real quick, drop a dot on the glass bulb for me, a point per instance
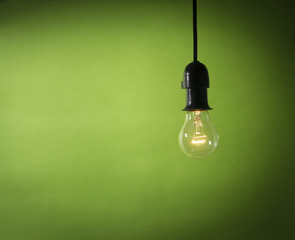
(198, 137)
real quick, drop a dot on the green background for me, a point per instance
(90, 110)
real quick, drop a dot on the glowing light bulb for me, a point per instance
(198, 137)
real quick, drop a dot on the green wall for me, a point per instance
(90, 110)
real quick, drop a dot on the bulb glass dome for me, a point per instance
(198, 137)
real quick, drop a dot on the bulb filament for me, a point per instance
(199, 137)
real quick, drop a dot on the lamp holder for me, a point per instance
(196, 83)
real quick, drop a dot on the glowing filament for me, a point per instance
(199, 139)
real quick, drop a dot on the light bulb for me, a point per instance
(198, 137)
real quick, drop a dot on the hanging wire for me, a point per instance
(195, 29)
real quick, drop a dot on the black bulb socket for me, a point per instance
(196, 83)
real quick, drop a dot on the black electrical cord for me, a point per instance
(195, 28)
